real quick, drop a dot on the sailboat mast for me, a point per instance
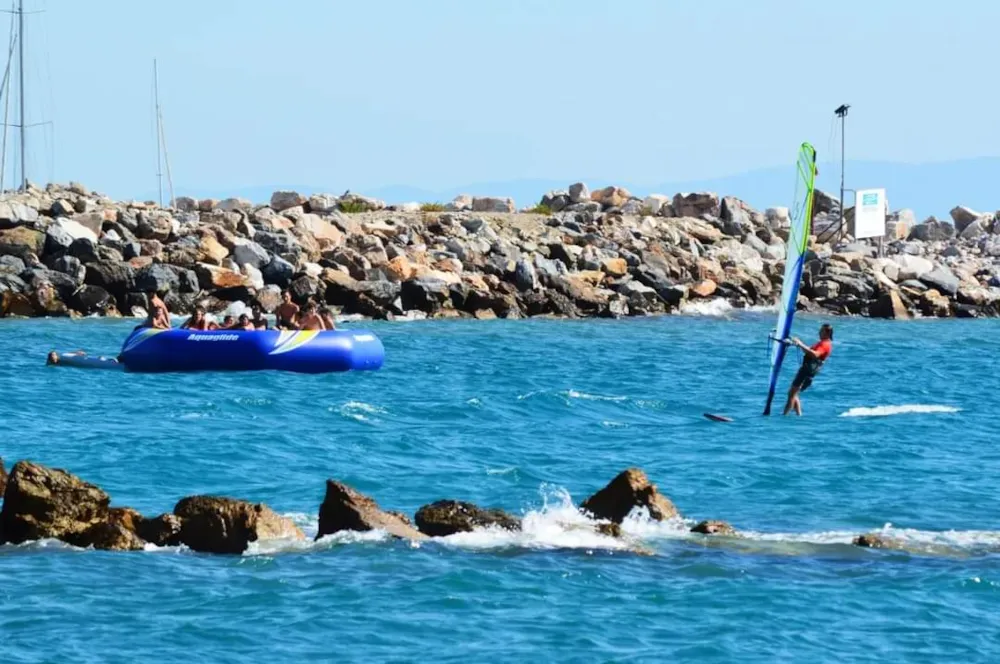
(159, 160)
(20, 60)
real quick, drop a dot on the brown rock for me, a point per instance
(3, 479)
(616, 267)
(213, 276)
(610, 529)
(213, 524)
(211, 250)
(344, 508)
(611, 196)
(704, 288)
(933, 303)
(712, 527)
(399, 268)
(41, 502)
(447, 517)
(21, 242)
(163, 530)
(17, 304)
(108, 536)
(890, 305)
(485, 314)
(630, 489)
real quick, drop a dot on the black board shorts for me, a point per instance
(804, 378)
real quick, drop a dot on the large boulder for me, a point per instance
(344, 508)
(115, 533)
(736, 218)
(116, 278)
(41, 502)
(578, 193)
(248, 252)
(278, 272)
(824, 203)
(163, 530)
(963, 216)
(22, 242)
(489, 204)
(696, 204)
(627, 491)
(447, 517)
(425, 294)
(889, 305)
(213, 524)
(284, 200)
(912, 267)
(941, 278)
(215, 277)
(158, 277)
(611, 197)
(91, 300)
(13, 213)
(73, 228)
(932, 230)
(157, 227)
(86, 250)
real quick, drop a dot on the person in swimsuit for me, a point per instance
(286, 314)
(197, 321)
(310, 320)
(227, 323)
(258, 319)
(812, 361)
(327, 317)
(244, 323)
(158, 316)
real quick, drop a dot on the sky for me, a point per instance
(439, 93)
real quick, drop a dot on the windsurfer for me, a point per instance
(812, 361)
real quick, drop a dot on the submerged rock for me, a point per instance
(214, 524)
(41, 502)
(628, 490)
(344, 508)
(447, 517)
(713, 527)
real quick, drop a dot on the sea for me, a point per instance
(898, 437)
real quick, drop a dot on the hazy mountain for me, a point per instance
(931, 188)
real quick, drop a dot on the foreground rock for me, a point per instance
(447, 517)
(3, 479)
(41, 502)
(213, 524)
(629, 490)
(343, 508)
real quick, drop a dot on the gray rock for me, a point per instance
(247, 252)
(233, 204)
(85, 249)
(975, 228)
(824, 203)
(11, 265)
(157, 276)
(963, 216)
(57, 239)
(913, 284)
(91, 300)
(579, 193)
(490, 204)
(524, 276)
(70, 266)
(735, 215)
(284, 200)
(696, 204)
(912, 267)
(942, 279)
(278, 272)
(654, 203)
(13, 212)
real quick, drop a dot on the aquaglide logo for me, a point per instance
(212, 337)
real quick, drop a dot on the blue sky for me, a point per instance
(440, 93)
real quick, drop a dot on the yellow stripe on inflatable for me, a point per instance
(295, 340)
(146, 333)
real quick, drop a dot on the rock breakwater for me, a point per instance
(65, 251)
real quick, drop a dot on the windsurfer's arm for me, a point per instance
(806, 349)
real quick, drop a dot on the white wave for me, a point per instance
(573, 394)
(501, 471)
(474, 401)
(885, 411)
(270, 547)
(717, 307)
(360, 411)
(611, 424)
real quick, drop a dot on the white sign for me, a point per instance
(869, 213)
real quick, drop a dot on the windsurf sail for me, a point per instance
(795, 252)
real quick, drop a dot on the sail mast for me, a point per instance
(159, 159)
(20, 61)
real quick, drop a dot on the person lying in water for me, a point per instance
(812, 361)
(197, 321)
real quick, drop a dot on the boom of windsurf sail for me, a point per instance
(798, 240)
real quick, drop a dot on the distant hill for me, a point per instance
(931, 188)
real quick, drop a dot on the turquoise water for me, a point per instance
(530, 416)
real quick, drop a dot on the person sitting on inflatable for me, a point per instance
(309, 319)
(197, 321)
(327, 317)
(158, 316)
(287, 313)
(244, 323)
(258, 320)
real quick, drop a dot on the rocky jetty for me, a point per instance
(66, 251)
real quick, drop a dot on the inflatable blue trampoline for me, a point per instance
(306, 351)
